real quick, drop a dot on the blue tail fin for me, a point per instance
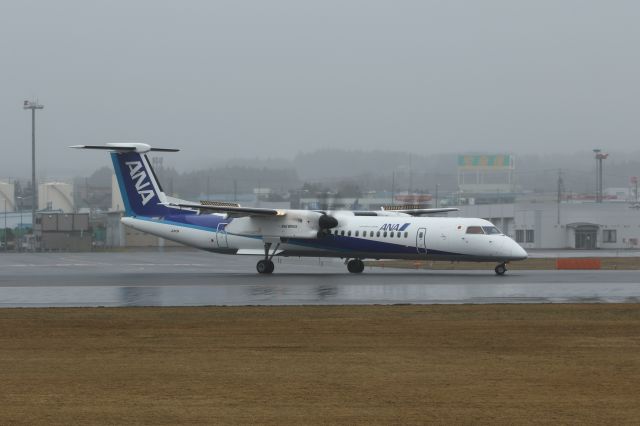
(139, 187)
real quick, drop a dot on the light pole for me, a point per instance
(33, 106)
(5, 225)
(599, 186)
(21, 226)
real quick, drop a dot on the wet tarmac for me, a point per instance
(185, 278)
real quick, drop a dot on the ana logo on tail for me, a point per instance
(139, 177)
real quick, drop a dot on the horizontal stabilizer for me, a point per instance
(126, 147)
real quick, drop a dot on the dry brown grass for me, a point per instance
(464, 364)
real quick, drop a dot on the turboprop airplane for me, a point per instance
(397, 233)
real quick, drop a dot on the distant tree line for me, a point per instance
(352, 173)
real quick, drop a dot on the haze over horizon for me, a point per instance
(224, 80)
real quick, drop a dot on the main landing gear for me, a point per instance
(501, 269)
(355, 266)
(266, 266)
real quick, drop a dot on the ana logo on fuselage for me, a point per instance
(394, 227)
(139, 177)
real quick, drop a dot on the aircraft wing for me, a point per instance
(420, 212)
(234, 210)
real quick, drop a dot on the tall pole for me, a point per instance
(599, 181)
(393, 187)
(235, 190)
(5, 225)
(560, 191)
(33, 106)
(410, 176)
(21, 227)
(34, 186)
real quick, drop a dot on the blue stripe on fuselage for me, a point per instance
(345, 244)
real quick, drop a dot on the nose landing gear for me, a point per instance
(501, 269)
(355, 266)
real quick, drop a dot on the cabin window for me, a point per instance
(378, 234)
(357, 233)
(348, 233)
(384, 234)
(475, 230)
(391, 234)
(406, 234)
(399, 234)
(420, 235)
(371, 234)
(491, 230)
(342, 233)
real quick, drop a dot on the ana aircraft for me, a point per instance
(229, 228)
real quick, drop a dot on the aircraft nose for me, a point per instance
(517, 252)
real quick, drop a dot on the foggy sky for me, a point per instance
(222, 79)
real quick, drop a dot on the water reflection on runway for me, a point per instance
(313, 294)
(200, 279)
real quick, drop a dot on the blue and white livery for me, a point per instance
(352, 235)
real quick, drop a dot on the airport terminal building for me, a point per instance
(549, 225)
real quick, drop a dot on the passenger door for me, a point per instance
(221, 235)
(421, 241)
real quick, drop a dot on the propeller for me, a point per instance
(325, 223)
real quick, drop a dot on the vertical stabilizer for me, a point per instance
(139, 186)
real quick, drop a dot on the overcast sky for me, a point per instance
(224, 79)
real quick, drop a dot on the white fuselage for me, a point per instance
(362, 237)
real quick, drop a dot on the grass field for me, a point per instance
(462, 364)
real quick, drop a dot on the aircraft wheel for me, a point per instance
(265, 266)
(355, 266)
(501, 269)
(271, 266)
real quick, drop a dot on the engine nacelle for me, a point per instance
(304, 224)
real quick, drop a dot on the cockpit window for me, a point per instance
(475, 230)
(491, 230)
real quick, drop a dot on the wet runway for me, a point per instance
(185, 278)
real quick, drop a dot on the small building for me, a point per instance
(63, 232)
